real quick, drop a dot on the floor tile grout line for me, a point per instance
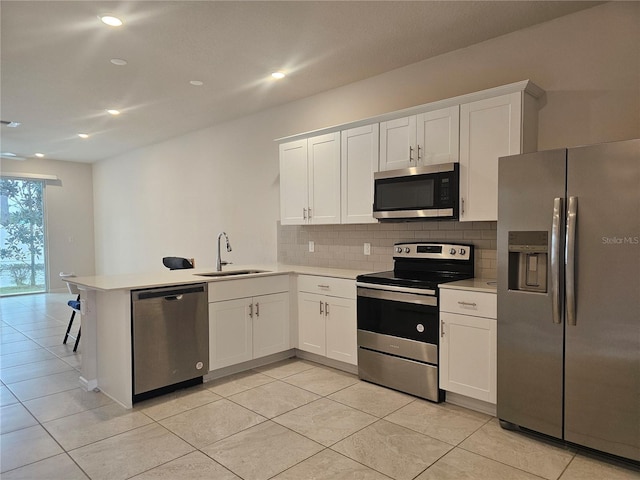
(506, 464)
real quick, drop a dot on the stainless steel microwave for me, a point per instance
(417, 193)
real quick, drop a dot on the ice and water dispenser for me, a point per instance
(528, 253)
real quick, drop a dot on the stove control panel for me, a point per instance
(436, 251)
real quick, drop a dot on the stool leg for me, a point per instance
(66, 335)
(75, 347)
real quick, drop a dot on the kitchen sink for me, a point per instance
(230, 273)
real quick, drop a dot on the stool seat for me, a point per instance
(75, 304)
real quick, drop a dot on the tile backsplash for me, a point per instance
(342, 246)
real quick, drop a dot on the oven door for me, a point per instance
(398, 323)
(398, 340)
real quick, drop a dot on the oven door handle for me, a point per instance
(394, 288)
(396, 296)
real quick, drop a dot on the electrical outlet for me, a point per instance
(312, 246)
(367, 249)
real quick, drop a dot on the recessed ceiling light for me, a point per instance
(39, 155)
(111, 20)
(83, 135)
(114, 112)
(278, 75)
(118, 61)
(196, 83)
(11, 156)
(10, 124)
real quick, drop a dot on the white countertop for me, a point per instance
(165, 277)
(487, 285)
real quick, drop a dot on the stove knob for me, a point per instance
(399, 249)
(462, 251)
(452, 251)
(407, 250)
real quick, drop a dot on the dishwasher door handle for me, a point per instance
(166, 292)
(173, 298)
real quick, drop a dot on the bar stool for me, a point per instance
(75, 307)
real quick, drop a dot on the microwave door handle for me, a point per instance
(572, 217)
(555, 260)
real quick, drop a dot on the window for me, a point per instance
(22, 236)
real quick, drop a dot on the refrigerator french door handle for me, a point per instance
(572, 217)
(555, 260)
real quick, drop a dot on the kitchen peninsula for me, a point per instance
(107, 360)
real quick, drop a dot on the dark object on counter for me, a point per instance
(176, 263)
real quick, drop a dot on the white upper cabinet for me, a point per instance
(294, 197)
(397, 143)
(438, 136)
(310, 180)
(359, 163)
(424, 139)
(324, 179)
(489, 129)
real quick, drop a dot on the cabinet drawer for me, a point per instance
(336, 287)
(478, 304)
(247, 287)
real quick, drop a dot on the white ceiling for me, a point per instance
(57, 79)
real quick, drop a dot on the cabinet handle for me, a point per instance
(321, 310)
(309, 213)
(323, 286)
(462, 201)
(410, 154)
(257, 309)
(419, 153)
(326, 308)
(251, 311)
(304, 213)
(467, 304)
(441, 328)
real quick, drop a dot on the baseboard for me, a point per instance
(244, 366)
(276, 357)
(328, 362)
(471, 403)
(88, 385)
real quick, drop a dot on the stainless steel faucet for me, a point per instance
(219, 262)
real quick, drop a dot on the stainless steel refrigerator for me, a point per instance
(569, 295)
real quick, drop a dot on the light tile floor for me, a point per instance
(287, 421)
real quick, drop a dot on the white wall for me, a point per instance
(69, 215)
(173, 198)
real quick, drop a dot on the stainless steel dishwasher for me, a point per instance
(170, 338)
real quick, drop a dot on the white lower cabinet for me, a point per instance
(241, 329)
(327, 317)
(468, 343)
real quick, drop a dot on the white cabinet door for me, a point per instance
(468, 356)
(438, 136)
(341, 329)
(397, 143)
(359, 159)
(270, 324)
(324, 178)
(294, 198)
(489, 129)
(230, 338)
(311, 323)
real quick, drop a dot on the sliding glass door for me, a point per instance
(22, 237)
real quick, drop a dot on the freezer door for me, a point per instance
(602, 371)
(530, 336)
